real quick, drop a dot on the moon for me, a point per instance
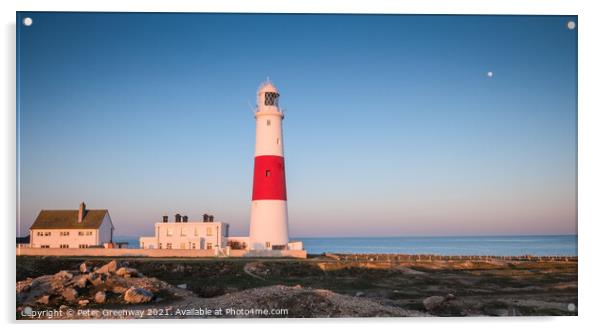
(490, 74)
(27, 21)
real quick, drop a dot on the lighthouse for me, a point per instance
(269, 212)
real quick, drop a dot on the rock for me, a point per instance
(127, 272)
(69, 294)
(96, 279)
(84, 268)
(44, 299)
(433, 302)
(360, 294)
(100, 297)
(63, 275)
(117, 284)
(24, 285)
(110, 267)
(137, 295)
(450, 297)
(81, 281)
(83, 303)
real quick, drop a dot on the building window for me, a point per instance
(64, 246)
(83, 246)
(277, 140)
(44, 246)
(183, 232)
(169, 232)
(80, 233)
(40, 233)
(271, 98)
(160, 245)
(268, 122)
(169, 246)
(209, 245)
(209, 231)
(64, 233)
(47, 233)
(196, 232)
(193, 245)
(268, 245)
(267, 173)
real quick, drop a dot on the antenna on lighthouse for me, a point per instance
(253, 108)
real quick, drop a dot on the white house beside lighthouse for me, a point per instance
(269, 213)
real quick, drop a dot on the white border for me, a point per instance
(590, 165)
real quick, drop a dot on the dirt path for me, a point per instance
(249, 268)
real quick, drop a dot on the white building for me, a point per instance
(182, 234)
(71, 228)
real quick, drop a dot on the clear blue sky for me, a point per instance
(392, 125)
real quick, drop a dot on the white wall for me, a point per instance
(73, 239)
(149, 242)
(106, 230)
(189, 235)
(269, 223)
(268, 138)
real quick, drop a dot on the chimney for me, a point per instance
(205, 217)
(81, 213)
(185, 219)
(165, 219)
(178, 218)
(211, 218)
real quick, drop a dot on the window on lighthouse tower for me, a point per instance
(271, 98)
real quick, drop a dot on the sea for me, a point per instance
(535, 245)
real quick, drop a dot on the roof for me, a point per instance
(67, 219)
(267, 86)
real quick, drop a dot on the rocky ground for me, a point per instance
(317, 287)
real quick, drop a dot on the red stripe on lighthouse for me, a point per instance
(268, 178)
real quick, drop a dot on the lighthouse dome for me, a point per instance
(267, 86)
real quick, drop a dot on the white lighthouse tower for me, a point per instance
(269, 213)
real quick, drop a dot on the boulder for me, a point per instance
(84, 268)
(24, 285)
(110, 267)
(69, 294)
(127, 272)
(433, 302)
(44, 299)
(137, 295)
(100, 297)
(117, 284)
(81, 281)
(63, 275)
(96, 279)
